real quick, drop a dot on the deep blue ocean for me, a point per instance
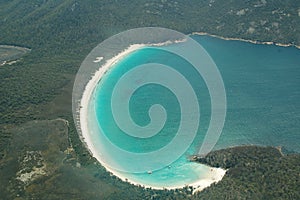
(262, 84)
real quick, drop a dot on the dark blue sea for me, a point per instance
(262, 84)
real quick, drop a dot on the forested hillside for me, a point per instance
(35, 92)
(61, 33)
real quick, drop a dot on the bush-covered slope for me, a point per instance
(254, 173)
(60, 33)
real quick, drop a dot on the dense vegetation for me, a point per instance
(60, 33)
(254, 173)
(11, 53)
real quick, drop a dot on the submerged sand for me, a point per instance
(214, 174)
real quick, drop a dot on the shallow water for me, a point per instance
(262, 87)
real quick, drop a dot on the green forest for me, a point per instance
(36, 93)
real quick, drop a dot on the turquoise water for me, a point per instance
(262, 87)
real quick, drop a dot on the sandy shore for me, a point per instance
(83, 112)
(215, 174)
(245, 40)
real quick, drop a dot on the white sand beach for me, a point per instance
(215, 174)
(88, 93)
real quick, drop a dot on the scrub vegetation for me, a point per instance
(35, 95)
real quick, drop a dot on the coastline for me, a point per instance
(215, 174)
(87, 93)
(246, 40)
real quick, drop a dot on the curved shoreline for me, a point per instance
(215, 174)
(87, 93)
(246, 40)
(198, 185)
